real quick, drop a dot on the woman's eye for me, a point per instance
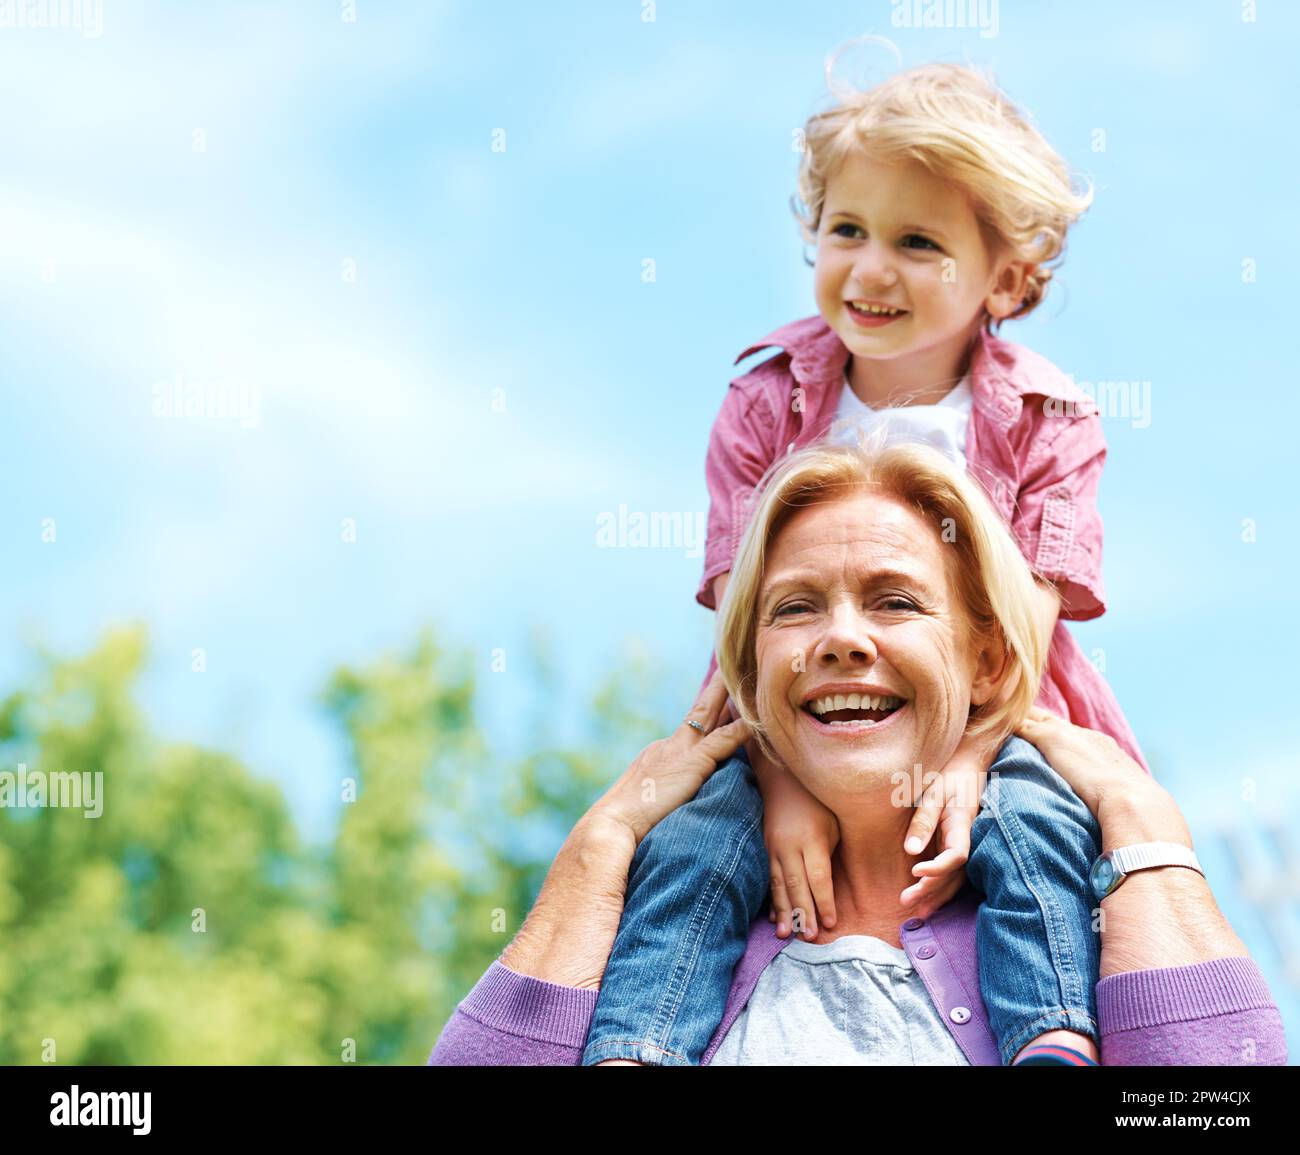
(921, 239)
(802, 607)
(900, 603)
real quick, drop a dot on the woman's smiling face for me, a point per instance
(856, 593)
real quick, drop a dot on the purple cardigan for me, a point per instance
(1216, 1013)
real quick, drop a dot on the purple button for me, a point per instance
(914, 924)
(926, 951)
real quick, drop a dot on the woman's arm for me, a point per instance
(533, 1006)
(1166, 915)
(569, 933)
(1177, 985)
(534, 1003)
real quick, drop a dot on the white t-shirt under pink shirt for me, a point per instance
(942, 425)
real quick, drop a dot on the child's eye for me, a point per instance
(837, 231)
(918, 237)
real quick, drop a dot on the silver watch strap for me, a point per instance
(1145, 854)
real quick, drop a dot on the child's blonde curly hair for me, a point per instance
(957, 123)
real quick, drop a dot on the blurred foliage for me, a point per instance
(188, 923)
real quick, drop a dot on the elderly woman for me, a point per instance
(839, 541)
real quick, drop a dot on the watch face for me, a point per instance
(1103, 874)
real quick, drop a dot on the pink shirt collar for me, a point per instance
(1001, 374)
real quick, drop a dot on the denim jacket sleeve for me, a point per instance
(1056, 520)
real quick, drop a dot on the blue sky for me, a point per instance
(271, 198)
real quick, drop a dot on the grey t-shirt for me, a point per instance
(855, 1001)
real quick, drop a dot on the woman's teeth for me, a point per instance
(820, 706)
(852, 709)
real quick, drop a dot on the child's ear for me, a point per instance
(1009, 288)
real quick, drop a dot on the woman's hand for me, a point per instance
(567, 936)
(948, 806)
(1107, 780)
(671, 771)
(800, 834)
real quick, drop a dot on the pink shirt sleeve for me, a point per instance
(739, 455)
(1056, 520)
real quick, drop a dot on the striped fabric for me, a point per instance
(1053, 1055)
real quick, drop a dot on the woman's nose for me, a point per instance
(846, 641)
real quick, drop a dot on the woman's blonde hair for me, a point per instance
(990, 576)
(956, 122)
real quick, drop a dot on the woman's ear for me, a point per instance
(990, 671)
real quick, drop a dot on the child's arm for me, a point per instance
(1055, 520)
(1048, 605)
(739, 455)
(800, 834)
(949, 804)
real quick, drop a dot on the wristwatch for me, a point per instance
(1116, 865)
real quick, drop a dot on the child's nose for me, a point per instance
(874, 265)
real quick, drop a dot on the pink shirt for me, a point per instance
(1034, 443)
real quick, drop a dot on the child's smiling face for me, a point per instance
(894, 234)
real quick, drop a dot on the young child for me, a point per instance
(935, 207)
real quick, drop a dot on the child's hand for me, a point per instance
(800, 834)
(949, 804)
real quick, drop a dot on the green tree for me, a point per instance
(189, 924)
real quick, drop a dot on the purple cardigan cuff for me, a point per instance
(503, 999)
(1134, 1000)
